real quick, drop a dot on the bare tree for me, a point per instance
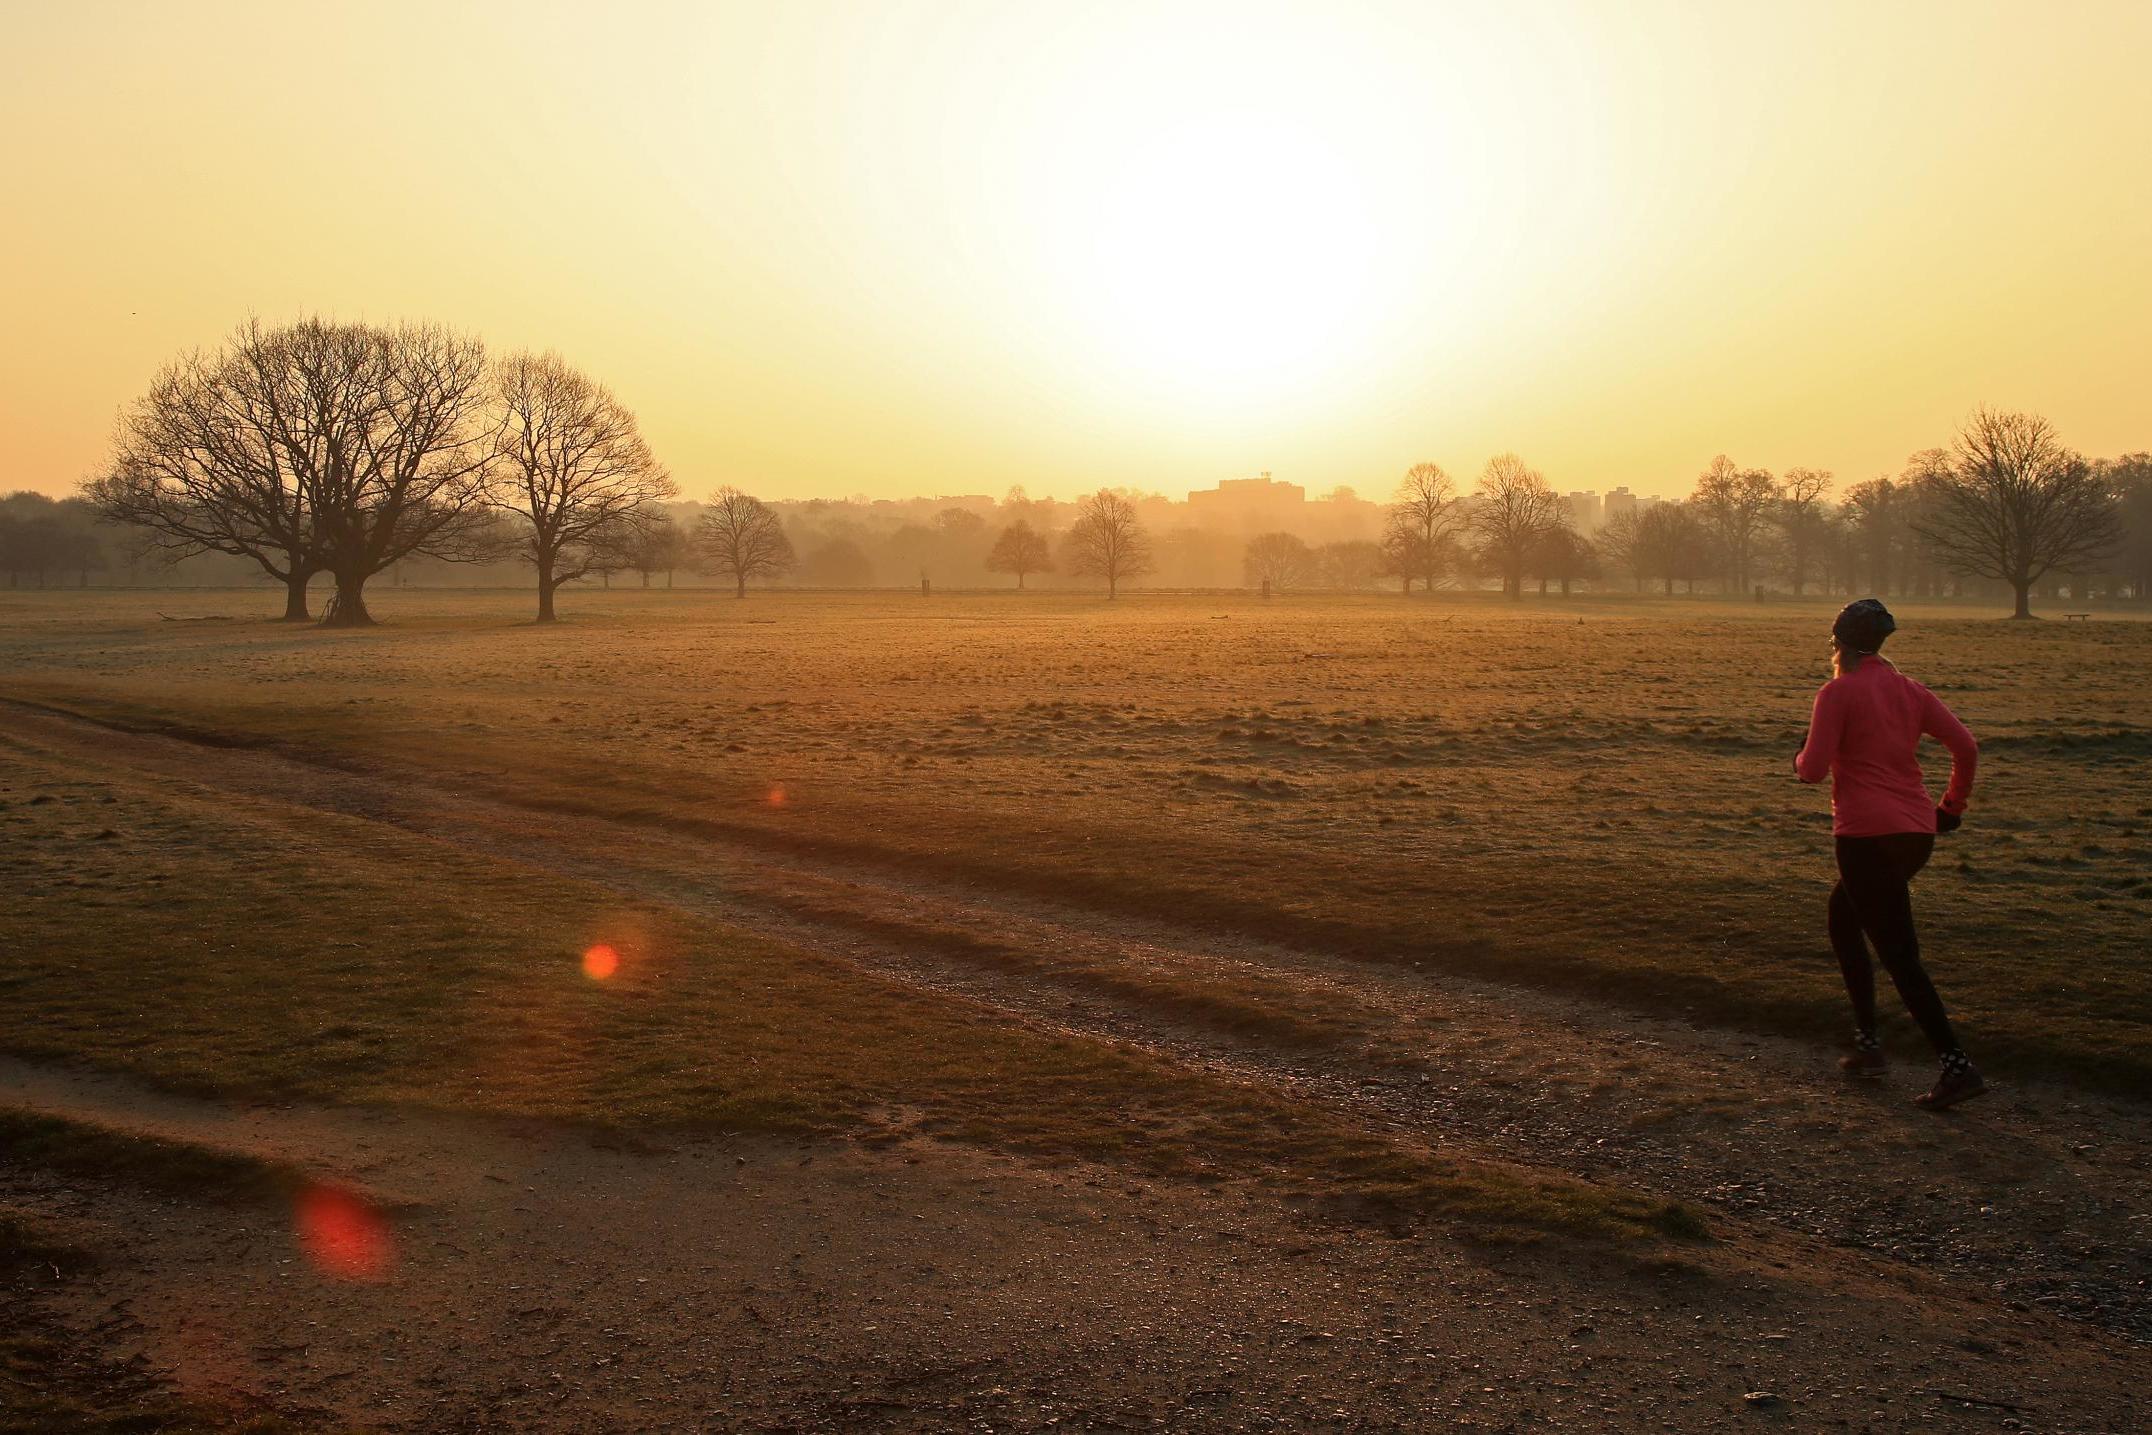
(1515, 510)
(1667, 544)
(1020, 549)
(1734, 505)
(652, 542)
(316, 447)
(1801, 520)
(742, 538)
(2011, 503)
(1873, 515)
(402, 419)
(1350, 565)
(2130, 477)
(1280, 560)
(572, 464)
(1563, 555)
(1422, 525)
(1107, 541)
(220, 457)
(1616, 542)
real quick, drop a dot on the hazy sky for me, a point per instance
(942, 248)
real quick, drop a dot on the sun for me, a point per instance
(1236, 253)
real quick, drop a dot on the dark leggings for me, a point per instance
(1873, 898)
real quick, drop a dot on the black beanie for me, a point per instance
(1863, 624)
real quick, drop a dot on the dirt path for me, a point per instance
(832, 1286)
(548, 1283)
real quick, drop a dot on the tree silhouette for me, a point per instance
(1020, 549)
(2011, 503)
(1733, 505)
(1108, 542)
(1422, 524)
(1801, 520)
(207, 462)
(572, 464)
(742, 538)
(1515, 509)
(1280, 560)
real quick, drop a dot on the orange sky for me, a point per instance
(894, 248)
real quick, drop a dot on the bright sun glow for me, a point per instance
(922, 247)
(1236, 252)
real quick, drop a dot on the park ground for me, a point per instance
(1016, 1011)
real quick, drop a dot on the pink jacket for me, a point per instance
(1865, 733)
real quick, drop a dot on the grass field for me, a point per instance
(1593, 795)
(911, 1000)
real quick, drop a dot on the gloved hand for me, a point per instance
(1948, 821)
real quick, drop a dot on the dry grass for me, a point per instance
(1593, 795)
(245, 948)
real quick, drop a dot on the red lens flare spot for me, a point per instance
(342, 1235)
(777, 794)
(601, 962)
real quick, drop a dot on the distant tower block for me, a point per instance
(1250, 504)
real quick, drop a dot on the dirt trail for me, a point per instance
(551, 1283)
(774, 1285)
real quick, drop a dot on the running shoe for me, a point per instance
(1960, 1081)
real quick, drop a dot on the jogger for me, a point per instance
(1865, 735)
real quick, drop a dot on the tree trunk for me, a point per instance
(295, 597)
(1019, 580)
(646, 577)
(741, 580)
(348, 608)
(2024, 600)
(1669, 587)
(546, 585)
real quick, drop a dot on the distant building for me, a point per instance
(1260, 503)
(1583, 509)
(1621, 501)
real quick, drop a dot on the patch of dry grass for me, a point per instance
(232, 946)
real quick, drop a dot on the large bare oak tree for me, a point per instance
(223, 455)
(2010, 502)
(414, 427)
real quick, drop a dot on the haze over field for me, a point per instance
(916, 248)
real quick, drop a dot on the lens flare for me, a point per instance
(777, 794)
(601, 962)
(342, 1235)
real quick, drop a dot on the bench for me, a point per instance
(2075, 617)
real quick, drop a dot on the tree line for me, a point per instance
(323, 448)
(2006, 503)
